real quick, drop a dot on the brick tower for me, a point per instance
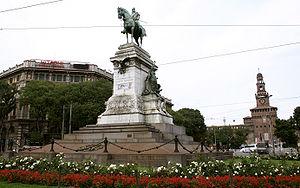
(263, 116)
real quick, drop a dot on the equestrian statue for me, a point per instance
(132, 25)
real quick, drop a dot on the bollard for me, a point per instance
(105, 145)
(202, 147)
(52, 144)
(176, 145)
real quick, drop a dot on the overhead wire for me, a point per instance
(230, 104)
(57, 27)
(148, 25)
(230, 53)
(29, 6)
(223, 25)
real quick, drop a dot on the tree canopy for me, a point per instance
(7, 99)
(46, 100)
(296, 117)
(286, 131)
(192, 120)
(227, 137)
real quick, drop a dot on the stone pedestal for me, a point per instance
(140, 115)
(155, 109)
(128, 105)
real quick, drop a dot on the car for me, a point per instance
(262, 148)
(245, 150)
(249, 148)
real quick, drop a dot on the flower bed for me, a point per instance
(83, 180)
(244, 172)
(254, 166)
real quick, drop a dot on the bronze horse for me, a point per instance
(131, 26)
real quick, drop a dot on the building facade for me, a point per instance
(263, 116)
(18, 121)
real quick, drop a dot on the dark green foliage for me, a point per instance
(7, 99)
(46, 100)
(286, 131)
(227, 137)
(39, 95)
(192, 120)
(296, 117)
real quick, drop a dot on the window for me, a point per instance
(36, 76)
(76, 79)
(71, 79)
(53, 78)
(59, 78)
(41, 76)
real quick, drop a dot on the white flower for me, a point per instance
(160, 168)
(112, 166)
(178, 164)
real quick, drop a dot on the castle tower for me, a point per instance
(262, 97)
(263, 116)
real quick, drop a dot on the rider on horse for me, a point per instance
(131, 24)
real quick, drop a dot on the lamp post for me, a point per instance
(63, 123)
(271, 133)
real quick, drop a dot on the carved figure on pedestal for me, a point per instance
(151, 85)
(122, 65)
(132, 25)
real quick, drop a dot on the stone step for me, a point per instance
(139, 136)
(142, 129)
(111, 127)
(116, 129)
(93, 141)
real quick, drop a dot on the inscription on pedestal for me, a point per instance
(123, 82)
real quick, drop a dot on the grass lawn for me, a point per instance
(19, 185)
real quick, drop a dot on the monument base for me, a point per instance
(133, 132)
(152, 158)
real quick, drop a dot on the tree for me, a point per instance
(227, 137)
(7, 99)
(296, 117)
(192, 120)
(46, 100)
(38, 95)
(285, 130)
(239, 138)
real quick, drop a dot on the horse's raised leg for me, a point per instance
(141, 40)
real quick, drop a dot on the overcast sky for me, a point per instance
(207, 84)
